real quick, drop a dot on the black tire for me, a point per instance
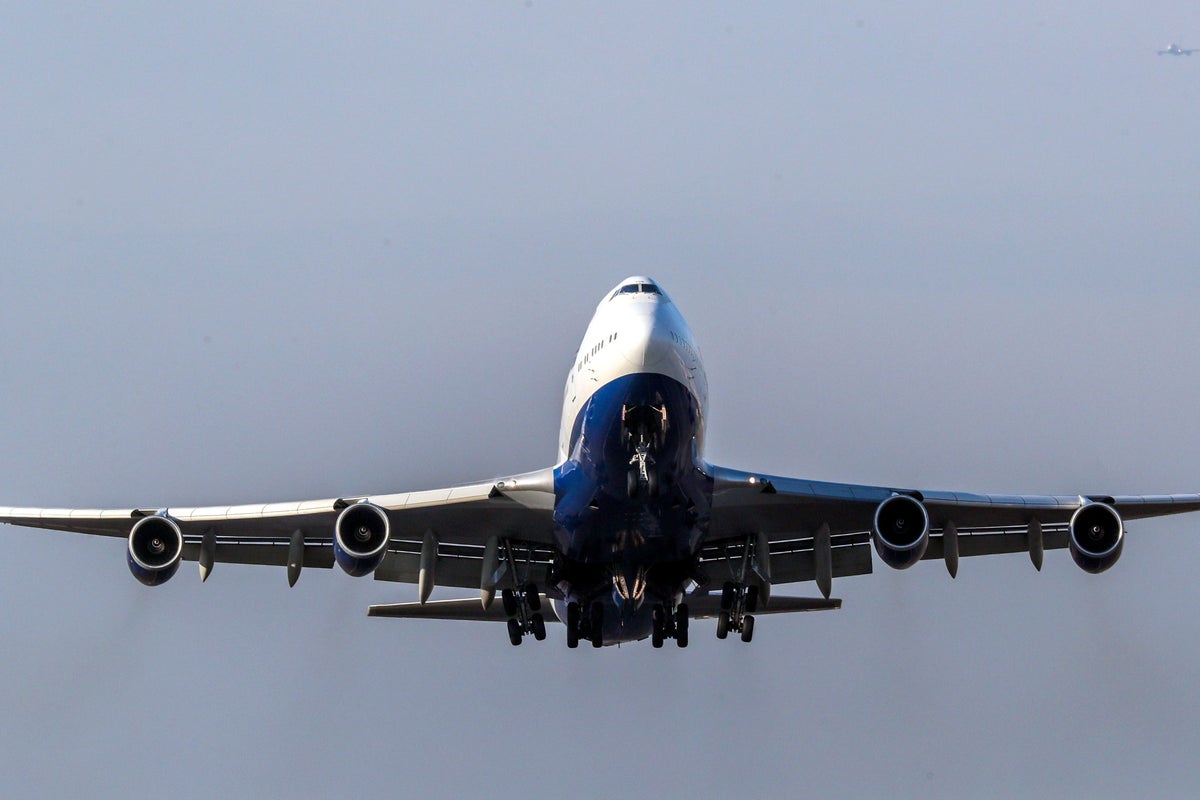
(747, 628)
(728, 595)
(632, 483)
(652, 484)
(509, 598)
(596, 628)
(722, 624)
(514, 632)
(681, 637)
(538, 623)
(532, 598)
(751, 599)
(681, 619)
(573, 616)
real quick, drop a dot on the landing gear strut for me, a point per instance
(645, 432)
(670, 625)
(523, 607)
(641, 479)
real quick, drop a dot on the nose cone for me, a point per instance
(645, 338)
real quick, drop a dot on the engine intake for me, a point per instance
(360, 538)
(901, 531)
(1097, 536)
(155, 549)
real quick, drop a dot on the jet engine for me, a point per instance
(155, 548)
(360, 538)
(1097, 536)
(901, 531)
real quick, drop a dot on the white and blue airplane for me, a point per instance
(632, 533)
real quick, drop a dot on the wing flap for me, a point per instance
(988, 544)
(461, 571)
(275, 554)
(792, 561)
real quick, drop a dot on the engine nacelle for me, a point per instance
(901, 531)
(1097, 536)
(155, 549)
(360, 538)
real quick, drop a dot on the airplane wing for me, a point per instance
(794, 516)
(518, 509)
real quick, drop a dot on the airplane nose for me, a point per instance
(645, 340)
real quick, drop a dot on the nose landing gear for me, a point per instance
(641, 479)
(645, 430)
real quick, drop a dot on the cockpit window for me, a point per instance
(638, 288)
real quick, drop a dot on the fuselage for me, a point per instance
(632, 499)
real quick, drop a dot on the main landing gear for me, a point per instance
(738, 604)
(589, 626)
(523, 607)
(670, 625)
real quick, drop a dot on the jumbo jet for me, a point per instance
(1175, 50)
(632, 533)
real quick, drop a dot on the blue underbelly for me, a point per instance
(602, 514)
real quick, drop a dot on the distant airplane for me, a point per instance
(632, 534)
(1175, 50)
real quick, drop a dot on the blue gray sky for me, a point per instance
(279, 251)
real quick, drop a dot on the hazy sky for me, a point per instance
(291, 251)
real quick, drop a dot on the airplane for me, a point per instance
(1175, 50)
(632, 533)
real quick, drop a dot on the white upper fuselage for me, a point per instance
(636, 329)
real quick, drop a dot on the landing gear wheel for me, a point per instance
(681, 625)
(728, 595)
(597, 625)
(652, 484)
(751, 599)
(573, 620)
(532, 598)
(722, 624)
(656, 632)
(514, 632)
(509, 598)
(632, 483)
(747, 628)
(538, 623)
